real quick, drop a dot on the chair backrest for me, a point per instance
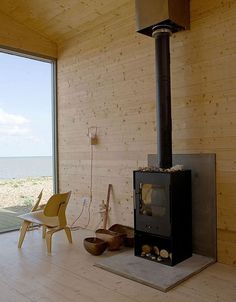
(56, 206)
(35, 207)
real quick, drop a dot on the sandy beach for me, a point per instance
(24, 191)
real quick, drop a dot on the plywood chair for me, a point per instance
(52, 217)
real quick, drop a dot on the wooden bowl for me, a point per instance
(95, 246)
(113, 239)
(127, 231)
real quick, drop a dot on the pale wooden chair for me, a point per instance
(51, 217)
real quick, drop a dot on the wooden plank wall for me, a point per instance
(17, 36)
(106, 79)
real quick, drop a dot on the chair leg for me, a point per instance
(51, 232)
(23, 230)
(49, 242)
(68, 234)
(49, 238)
(44, 231)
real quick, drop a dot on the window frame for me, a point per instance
(53, 62)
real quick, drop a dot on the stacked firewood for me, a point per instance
(154, 253)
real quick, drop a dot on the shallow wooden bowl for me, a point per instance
(95, 246)
(125, 230)
(113, 239)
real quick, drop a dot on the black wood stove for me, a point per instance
(162, 196)
(162, 215)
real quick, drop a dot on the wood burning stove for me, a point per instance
(162, 215)
(162, 198)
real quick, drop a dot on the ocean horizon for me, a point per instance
(25, 166)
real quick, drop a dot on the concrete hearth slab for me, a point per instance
(153, 274)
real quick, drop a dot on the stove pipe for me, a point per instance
(163, 95)
(159, 19)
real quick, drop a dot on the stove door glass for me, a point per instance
(154, 200)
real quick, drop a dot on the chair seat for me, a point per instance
(38, 217)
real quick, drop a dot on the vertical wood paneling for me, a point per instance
(106, 79)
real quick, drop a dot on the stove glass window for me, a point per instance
(153, 200)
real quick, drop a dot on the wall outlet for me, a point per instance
(85, 200)
(93, 139)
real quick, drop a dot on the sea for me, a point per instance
(23, 167)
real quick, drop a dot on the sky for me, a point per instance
(25, 107)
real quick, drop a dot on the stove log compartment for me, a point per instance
(163, 216)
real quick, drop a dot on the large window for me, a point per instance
(27, 135)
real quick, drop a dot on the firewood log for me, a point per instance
(164, 253)
(146, 248)
(156, 250)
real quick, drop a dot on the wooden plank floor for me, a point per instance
(68, 275)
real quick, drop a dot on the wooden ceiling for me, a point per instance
(59, 20)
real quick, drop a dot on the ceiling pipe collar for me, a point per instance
(157, 30)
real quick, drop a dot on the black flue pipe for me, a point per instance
(163, 97)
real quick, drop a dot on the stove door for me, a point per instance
(152, 200)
